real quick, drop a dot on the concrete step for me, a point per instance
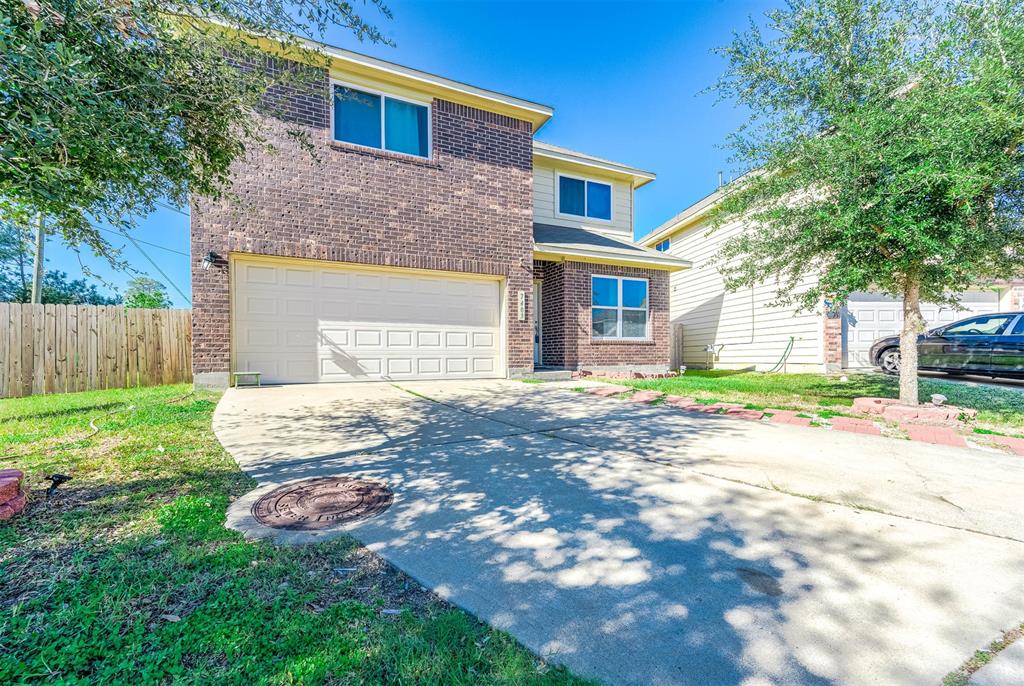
(550, 375)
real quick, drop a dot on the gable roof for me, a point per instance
(440, 86)
(690, 215)
(573, 158)
(564, 242)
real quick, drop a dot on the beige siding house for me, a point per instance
(714, 328)
(552, 163)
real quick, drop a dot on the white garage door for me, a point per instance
(871, 316)
(302, 322)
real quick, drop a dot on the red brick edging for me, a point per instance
(13, 495)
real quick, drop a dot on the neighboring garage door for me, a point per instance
(871, 316)
(307, 322)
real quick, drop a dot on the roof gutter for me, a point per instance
(639, 177)
(552, 254)
(652, 239)
(536, 113)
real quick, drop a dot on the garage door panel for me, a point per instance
(298, 324)
(333, 279)
(299, 277)
(299, 307)
(428, 339)
(261, 338)
(257, 305)
(335, 309)
(483, 340)
(259, 274)
(367, 338)
(456, 339)
(457, 365)
(400, 366)
(428, 366)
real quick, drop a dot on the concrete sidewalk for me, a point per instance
(625, 542)
(1005, 669)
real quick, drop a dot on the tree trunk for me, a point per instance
(913, 324)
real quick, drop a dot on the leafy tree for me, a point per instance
(107, 108)
(886, 135)
(145, 292)
(59, 290)
(15, 261)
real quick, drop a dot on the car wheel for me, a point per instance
(889, 361)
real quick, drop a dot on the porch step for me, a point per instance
(550, 375)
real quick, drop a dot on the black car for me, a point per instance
(987, 344)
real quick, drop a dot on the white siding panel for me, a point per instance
(744, 329)
(545, 178)
(299, 324)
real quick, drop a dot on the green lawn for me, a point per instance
(997, 406)
(128, 575)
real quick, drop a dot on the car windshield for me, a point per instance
(987, 325)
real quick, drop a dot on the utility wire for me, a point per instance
(157, 267)
(172, 209)
(153, 245)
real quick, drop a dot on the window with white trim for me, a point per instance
(583, 198)
(619, 308)
(375, 120)
(663, 246)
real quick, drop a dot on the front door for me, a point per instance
(537, 338)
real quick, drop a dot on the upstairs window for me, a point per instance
(381, 121)
(618, 307)
(663, 246)
(582, 198)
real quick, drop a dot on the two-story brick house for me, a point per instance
(429, 236)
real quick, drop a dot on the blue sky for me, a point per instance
(624, 79)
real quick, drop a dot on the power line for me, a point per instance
(157, 267)
(153, 245)
(172, 209)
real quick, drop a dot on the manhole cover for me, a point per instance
(322, 503)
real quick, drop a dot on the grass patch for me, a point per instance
(992, 432)
(962, 675)
(129, 576)
(999, 406)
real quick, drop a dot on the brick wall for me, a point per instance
(565, 318)
(468, 209)
(833, 341)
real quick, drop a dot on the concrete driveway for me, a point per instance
(642, 545)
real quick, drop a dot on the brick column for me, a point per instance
(833, 342)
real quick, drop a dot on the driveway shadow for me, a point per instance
(642, 573)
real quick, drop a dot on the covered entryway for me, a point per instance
(301, 321)
(870, 316)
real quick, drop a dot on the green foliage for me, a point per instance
(128, 575)
(15, 261)
(59, 290)
(145, 292)
(886, 138)
(107, 108)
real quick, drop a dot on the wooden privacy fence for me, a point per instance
(68, 348)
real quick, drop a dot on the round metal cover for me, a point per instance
(322, 503)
